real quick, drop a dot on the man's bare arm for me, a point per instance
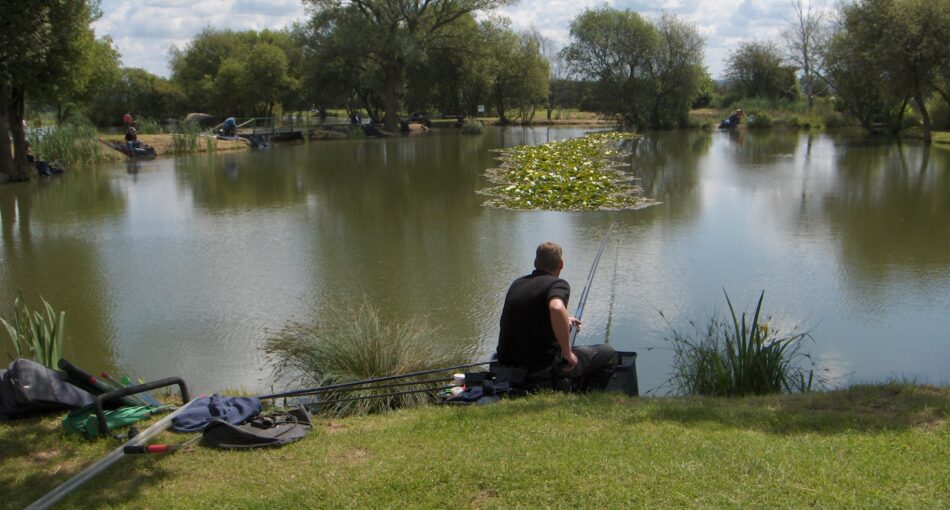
(561, 322)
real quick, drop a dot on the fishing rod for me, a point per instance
(336, 387)
(590, 281)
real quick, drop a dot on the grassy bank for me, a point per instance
(164, 144)
(882, 446)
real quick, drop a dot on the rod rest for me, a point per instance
(131, 390)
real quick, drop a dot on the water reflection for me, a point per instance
(182, 266)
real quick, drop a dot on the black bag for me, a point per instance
(270, 430)
(29, 388)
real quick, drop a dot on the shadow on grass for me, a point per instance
(872, 408)
(37, 456)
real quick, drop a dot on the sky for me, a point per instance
(144, 31)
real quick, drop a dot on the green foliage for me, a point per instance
(834, 120)
(49, 52)
(517, 71)
(185, 137)
(757, 69)
(473, 127)
(146, 126)
(70, 144)
(140, 93)
(741, 356)
(760, 119)
(346, 344)
(884, 53)
(35, 335)
(243, 74)
(647, 74)
(577, 174)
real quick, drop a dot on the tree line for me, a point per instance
(876, 60)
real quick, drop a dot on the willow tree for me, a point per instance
(43, 43)
(647, 73)
(393, 30)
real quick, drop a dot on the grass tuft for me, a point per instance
(347, 344)
(739, 356)
(36, 335)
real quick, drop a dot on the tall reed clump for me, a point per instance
(741, 356)
(149, 127)
(185, 137)
(472, 127)
(68, 144)
(347, 344)
(35, 335)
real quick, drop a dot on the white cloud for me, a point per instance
(144, 30)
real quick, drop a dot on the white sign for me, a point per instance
(481, 108)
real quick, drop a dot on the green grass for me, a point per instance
(741, 355)
(884, 446)
(69, 144)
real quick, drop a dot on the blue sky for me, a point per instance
(143, 31)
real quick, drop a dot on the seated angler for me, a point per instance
(536, 330)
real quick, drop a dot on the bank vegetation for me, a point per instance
(879, 64)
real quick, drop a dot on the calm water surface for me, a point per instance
(182, 266)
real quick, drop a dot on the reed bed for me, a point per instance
(68, 144)
(185, 138)
(741, 355)
(35, 335)
(348, 343)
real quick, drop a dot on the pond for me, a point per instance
(183, 266)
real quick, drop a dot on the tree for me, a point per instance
(238, 73)
(396, 29)
(559, 70)
(886, 54)
(42, 42)
(646, 74)
(802, 40)
(755, 69)
(518, 71)
(140, 93)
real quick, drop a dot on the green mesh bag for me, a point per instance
(83, 420)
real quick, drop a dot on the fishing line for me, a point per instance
(590, 281)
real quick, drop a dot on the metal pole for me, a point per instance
(590, 281)
(53, 496)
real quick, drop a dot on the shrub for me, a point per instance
(349, 344)
(473, 127)
(834, 120)
(743, 356)
(35, 335)
(760, 120)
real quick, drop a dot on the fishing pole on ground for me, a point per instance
(590, 281)
(335, 387)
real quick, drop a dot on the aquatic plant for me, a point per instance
(576, 174)
(472, 127)
(68, 144)
(185, 137)
(37, 336)
(741, 356)
(348, 344)
(147, 126)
